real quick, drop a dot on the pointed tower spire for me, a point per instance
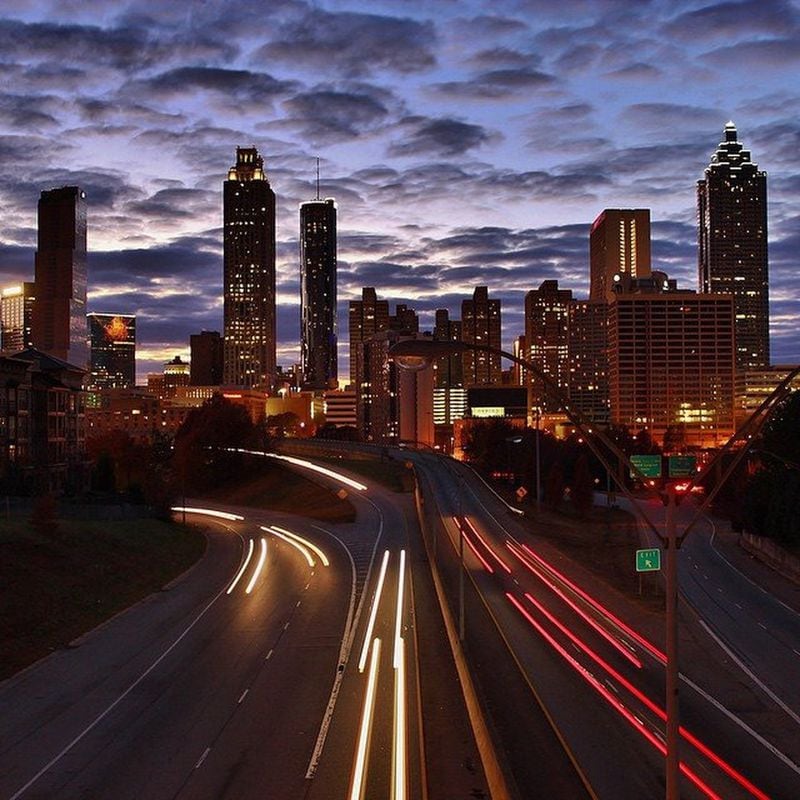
(317, 177)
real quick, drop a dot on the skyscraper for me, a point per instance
(732, 244)
(480, 325)
(318, 330)
(619, 242)
(367, 317)
(59, 314)
(16, 317)
(249, 273)
(205, 350)
(112, 341)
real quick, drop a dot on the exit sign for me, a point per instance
(648, 560)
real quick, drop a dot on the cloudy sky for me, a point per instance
(465, 142)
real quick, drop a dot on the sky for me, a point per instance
(465, 142)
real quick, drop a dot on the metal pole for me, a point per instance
(538, 467)
(672, 743)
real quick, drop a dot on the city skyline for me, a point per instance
(463, 146)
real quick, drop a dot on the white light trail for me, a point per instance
(259, 566)
(297, 546)
(360, 766)
(398, 622)
(372, 613)
(241, 569)
(209, 512)
(329, 473)
(399, 780)
(310, 545)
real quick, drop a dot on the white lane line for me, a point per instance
(297, 604)
(259, 566)
(739, 606)
(244, 694)
(202, 757)
(762, 625)
(360, 765)
(796, 652)
(286, 626)
(269, 655)
(241, 569)
(362, 661)
(398, 622)
(100, 717)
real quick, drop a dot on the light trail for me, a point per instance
(589, 620)
(297, 546)
(259, 566)
(241, 569)
(651, 648)
(486, 545)
(209, 512)
(360, 766)
(399, 782)
(644, 699)
(310, 545)
(362, 661)
(398, 621)
(486, 565)
(612, 700)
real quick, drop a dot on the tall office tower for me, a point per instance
(480, 324)
(547, 341)
(449, 394)
(176, 374)
(367, 317)
(588, 359)
(112, 344)
(671, 361)
(59, 314)
(16, 317)
(619, 242)
(732, 244)
(404, 319)
(249, 273)
(318, 334)
(205, 349)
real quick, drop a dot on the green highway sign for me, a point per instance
(649, 466)
(682, 466)
(648, 560)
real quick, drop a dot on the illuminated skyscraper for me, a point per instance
(59, 313)
(619, 242)
(480, 325)
(16, 317)
(732, 244)
(318, 333)
(367, 317)
(112, 340)
(249, 273)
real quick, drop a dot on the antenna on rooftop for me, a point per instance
(317, 177)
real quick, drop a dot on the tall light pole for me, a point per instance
(419, 353)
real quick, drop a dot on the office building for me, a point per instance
(547, 341)
(59, 313)
(318, 325)
(588, 359)
(112, 344)
(671, 361)
(206, 358)
(16, 317)
(480, 325)
(176, 374)
(619, 243)
(367, 317)
(404, 319)
(249, 349)
(732, 244)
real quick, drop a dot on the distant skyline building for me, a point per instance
(404, 319)
(318, 322)
(481, 325)
(206, 358)
(16, 317)
(112, 346)
(59, 313)
(619, 242)
(176, 374)
(366, 317)
(588, 359)
(732, 244)
(249, 350)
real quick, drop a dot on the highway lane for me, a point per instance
(708, 722)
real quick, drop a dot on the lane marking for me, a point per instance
(202, 757)
(259, 566)
(269, 655)
(286, 626)
(244, 694)
(297, 605)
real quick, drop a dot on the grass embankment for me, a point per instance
(56, 586)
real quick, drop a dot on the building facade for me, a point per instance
(619, 243)
(588, 359)
(206, 358)
(16, 317)
(732, 244)
(59, 313)
(480, 325)
(367, 317)
(318, 323)
(112, 346)
(249, 349)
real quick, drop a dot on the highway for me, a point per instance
(241, 680)
(600, 681)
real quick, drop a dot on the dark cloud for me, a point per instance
(448, 137)
(32, 113)
(496, 84)
(352, 43)
(637, 71)
(662, 116)
(763, 54)
(733, 20)
(497, 57)
(326, 115)
(488, 25)
(174, 204)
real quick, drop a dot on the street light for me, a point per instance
(418, 353)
